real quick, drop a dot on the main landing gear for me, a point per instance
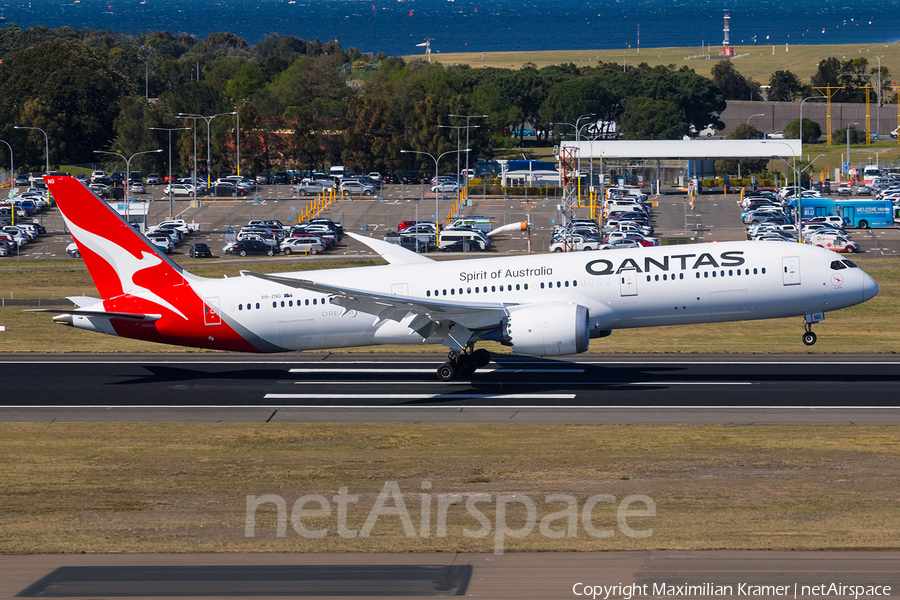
(463, 364)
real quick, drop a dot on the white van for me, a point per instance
(479, 223)
(450, 236)
(337, 172)
(832, 241)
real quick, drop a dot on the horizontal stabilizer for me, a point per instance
(99, 313)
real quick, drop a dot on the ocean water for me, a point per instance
(396, 27)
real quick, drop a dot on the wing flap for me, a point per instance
(472, 315)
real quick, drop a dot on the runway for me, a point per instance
(404, 388)
(516, 576)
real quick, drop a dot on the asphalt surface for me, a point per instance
(514, 576)
(714, 217)
(404, 388)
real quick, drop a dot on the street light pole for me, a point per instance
(467, 117)
(12, 168)
(799, 195)
(46, 144)
(127, 169)
(170, 130)
(756, 115)
(848, 148)
(878, 105)
(208, 145)
(437, 214)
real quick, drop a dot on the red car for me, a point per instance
(406, 224)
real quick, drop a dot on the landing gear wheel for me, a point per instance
(446, 372)
(465, 366)
(481, 357)
(809, 338)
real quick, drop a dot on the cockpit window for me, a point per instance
(837, 265)
(849, 264)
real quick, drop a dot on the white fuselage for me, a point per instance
(666, 285)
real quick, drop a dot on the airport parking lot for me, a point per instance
(714, 217)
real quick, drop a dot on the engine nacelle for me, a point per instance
(549, 329)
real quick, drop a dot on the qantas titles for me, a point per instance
(603, 266)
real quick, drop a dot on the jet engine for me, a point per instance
(549, 329)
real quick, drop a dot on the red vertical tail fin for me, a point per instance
(119, 259)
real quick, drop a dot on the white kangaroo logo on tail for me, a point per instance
(124, 264)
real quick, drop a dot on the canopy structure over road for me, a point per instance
(681, 149)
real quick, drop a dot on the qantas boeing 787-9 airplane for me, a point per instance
(539, 305)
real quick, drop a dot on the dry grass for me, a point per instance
(759, 64)
(182, 488)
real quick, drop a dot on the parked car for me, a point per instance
(245, 247)
(154, 179)
(445, 186)
(138, 188)
(864, 190)
(200, 250)
(22, 179)
(281, 178)
(263, 179)
(357, 186)
(221, 190)
(302, 244)
(179, 189)
(72, 250)
(778, 135)
(411, 177)
(309, 187)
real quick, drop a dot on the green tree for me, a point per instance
(811, 131)
(784, 86)
(649, 119)
(78, 90)
(734, 86)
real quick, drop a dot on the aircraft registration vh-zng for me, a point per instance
(539, 305)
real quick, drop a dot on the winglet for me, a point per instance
(394, 254)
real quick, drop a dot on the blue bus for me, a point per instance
(856, 213)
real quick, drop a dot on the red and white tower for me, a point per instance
(727, 50)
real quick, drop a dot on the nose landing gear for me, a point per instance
(463, 364)
(809, 338)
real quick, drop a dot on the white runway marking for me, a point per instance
(419, 396)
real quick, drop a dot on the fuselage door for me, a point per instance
(400, 289)
(790, 270)
(628, 282)
(211, 312)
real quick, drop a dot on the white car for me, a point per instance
(304, 244)
(163, 243)
(445, 186)
(179, 189)
(73, 251)
(137, 188)
(778, 135)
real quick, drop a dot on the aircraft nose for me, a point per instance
(870, 288)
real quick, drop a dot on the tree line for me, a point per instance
(306, 104)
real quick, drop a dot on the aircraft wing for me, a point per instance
(394, 254)
(429, 314)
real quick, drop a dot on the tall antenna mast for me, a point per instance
(727, 50)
